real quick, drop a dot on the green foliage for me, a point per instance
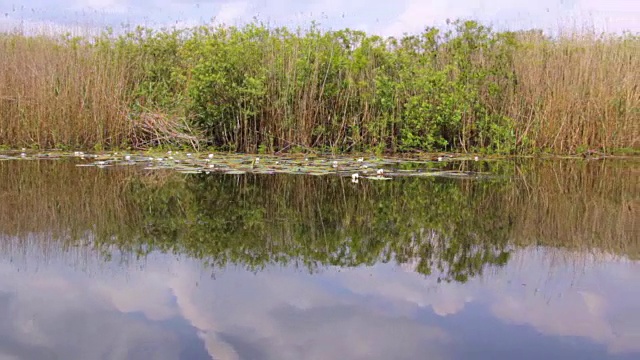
(261, 88)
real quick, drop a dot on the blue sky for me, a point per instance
(376, 16)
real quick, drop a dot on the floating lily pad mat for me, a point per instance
(366, 168)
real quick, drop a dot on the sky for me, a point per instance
(383, 17)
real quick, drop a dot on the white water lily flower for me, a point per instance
(128, 158)
(439, 158)
(335, 164)
(210, 156)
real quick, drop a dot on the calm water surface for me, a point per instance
(540, 261)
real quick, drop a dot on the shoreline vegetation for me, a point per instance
(258, 89)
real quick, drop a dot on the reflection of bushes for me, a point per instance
(258, 220)
(448, 228)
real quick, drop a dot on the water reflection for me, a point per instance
(117, 264)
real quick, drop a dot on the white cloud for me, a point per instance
(279, 314)
(105, 6)
(610, 16)
(573, 300)
(289, 316)
(417, 15)
(233, 12)
(408, 288)
(35, 306)
(36, 27)
(379, 16)
(613, 16)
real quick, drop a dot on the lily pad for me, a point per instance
(238, 164)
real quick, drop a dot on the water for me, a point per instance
(540, 261)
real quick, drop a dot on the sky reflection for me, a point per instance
(544, 303)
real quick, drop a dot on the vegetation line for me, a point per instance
(262, 89)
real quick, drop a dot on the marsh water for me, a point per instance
(539, 261)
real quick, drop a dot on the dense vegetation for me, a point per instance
(255, 88)
(452, 229)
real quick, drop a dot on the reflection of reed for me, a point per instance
(58, 200)
(592, 205)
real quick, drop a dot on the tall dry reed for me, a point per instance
(580, 90)
(61, 93)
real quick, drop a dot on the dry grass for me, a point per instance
(54, 94)
(579, 91)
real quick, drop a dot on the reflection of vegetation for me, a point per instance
(257, 220)
(449, 228)
(579, 205)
